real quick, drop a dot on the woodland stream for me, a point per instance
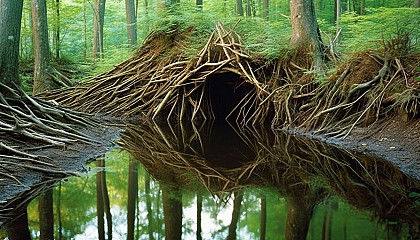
(217, 181)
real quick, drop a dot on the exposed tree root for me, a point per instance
(170, 84)
(28, 124)
(161, 82)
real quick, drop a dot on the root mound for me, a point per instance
(160, 81)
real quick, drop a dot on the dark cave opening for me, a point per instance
(226, 90)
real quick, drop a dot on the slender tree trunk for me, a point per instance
(99, 202)
(362, 7)
(263, 221)
(10, 22)
(98, 29)
(59, 219)
(248, 8)
(337, 12)
(416, 3)
(131, 22)
(305, 32)
(85, 41)
(103, 205)
(42, 79)
(326, 225)
(172, 210)
(132, 197)
(46, 215)
(236, 213)
(239, 8)
(199, 210)
(18, 228)
(266, 8)
(199, 4)
(57, 29)
(148, 205)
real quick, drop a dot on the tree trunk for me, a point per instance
(172, 210)
(59, 218)
(239, 8)
(46, 215)
(42, 80)
(337, 11)
(131, 22)
(199, 4)
(148, 205)
(132, 197)
(18, 228)
(10, 21)
(417, 3)
(57, 29)
(199, 210)
(248, 8)
(266, 9)
(98, 29)
(100, 203)
(263, 220)
(305, 32)
(102, 199)
(299, 215)
(362, 7)
(236, 213)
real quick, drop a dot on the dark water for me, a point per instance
(217, 182)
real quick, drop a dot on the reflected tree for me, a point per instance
(300, 205)
(199, 210)
(326, 226)
(46, 215)
(148, 205)
(236, 212)
(132, 196)
(172, 209)
(263, 222)
(102, 199)
(18, 228)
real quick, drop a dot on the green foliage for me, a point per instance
(363, 32)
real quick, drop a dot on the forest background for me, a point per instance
(265, 28)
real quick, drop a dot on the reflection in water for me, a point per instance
(235, 184)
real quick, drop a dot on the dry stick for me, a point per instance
(370, 105)
(13, 177)
(30, 159)
(205, 49)
(39, 168)
(199, 104)
(221, 40)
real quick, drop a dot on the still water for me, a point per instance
(222, 182)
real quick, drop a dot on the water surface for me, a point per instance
(222, 182)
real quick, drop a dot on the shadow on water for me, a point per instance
(310, 179)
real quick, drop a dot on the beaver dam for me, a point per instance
(370, 103)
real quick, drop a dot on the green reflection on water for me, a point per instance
(79, 220)
(222, 187)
